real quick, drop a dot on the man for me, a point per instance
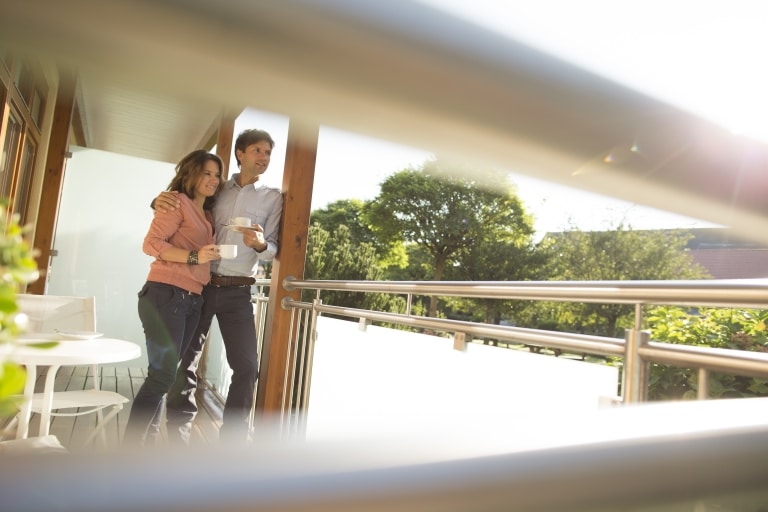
(228, 295)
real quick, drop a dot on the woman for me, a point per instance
(182, 243)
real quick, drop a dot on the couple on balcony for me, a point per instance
(189, 283)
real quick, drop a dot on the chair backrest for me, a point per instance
(49, 312)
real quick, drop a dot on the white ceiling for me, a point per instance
(397, 70)
(140, 122)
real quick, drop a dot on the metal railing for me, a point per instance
(636, 348)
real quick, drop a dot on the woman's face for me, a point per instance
(209, 181)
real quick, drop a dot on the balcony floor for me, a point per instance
(72, 431)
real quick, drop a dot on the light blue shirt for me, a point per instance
(263, 205)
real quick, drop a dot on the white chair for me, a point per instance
(46, 314)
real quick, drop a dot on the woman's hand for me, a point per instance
(207, 253)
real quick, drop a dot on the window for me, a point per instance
(25, 179)
(37, 106)
(9, 155)
(23, 95)
(25, 81)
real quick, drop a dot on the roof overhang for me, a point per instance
(141, 121)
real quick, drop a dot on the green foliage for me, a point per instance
(335, 256)
(419, 268)
(738, 329)
(346, 212)
(351, 213)
(616, 255)
(492, 260)
(445, 213)
(12, 378)
(17, 266)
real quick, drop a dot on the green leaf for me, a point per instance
(12, 378)
(43, 344)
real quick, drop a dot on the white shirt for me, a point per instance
(264, 206)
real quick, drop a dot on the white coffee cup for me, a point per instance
(227, 252)
(240, 221)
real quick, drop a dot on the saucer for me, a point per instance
(78, 335)
(236, 226)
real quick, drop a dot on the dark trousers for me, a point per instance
(169, 316)
(233, 310)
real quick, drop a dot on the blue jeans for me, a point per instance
(169, 316)
(233, 310)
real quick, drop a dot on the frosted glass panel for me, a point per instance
(385, 381)
(218, 374)
(103, 217)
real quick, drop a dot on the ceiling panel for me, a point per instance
(138, 122)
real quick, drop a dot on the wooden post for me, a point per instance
(298, 181)
(225, 138)
(55, 163)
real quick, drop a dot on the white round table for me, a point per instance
(67, 352)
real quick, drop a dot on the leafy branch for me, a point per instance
(17, 267)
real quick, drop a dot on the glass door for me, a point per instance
(103, 217)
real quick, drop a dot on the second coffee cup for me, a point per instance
(227, 252)
(241, 221)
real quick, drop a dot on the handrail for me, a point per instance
(601, 345)
(748, 293)
(748, 364)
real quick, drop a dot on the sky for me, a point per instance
(705, 56)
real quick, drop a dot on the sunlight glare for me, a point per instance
(703, 56)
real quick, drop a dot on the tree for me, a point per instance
(445, 212)
(349, 213)
(334, 256)
(346, 212)
(620, 254)
(490, 260)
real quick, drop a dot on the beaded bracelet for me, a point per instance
(192, 258)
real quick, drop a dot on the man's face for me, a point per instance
(255, 159)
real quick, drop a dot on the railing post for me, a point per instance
(306, 365)
(460, 341)
(702, 392)
(259, 318)
(635, 379)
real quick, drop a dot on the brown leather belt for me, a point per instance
(217, 280)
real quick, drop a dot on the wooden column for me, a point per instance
(55, 163)
(225, 139)
(298, 180)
